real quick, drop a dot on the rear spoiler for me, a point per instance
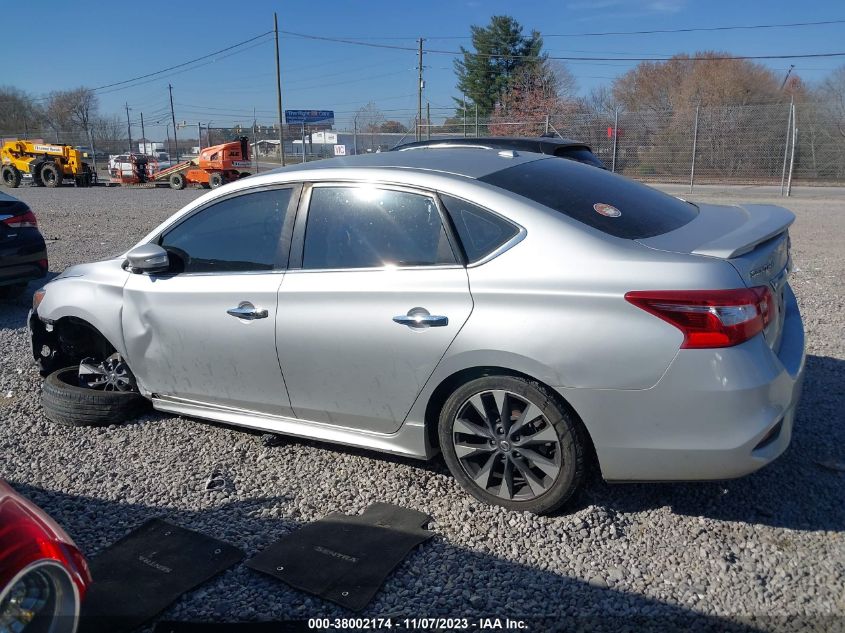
(764, 221)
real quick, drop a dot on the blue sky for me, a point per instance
(68, 44)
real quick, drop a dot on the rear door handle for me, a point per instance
(421, 318)
(247, 311)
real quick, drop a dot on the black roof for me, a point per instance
(539, 144)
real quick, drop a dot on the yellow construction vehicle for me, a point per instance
(47, 164)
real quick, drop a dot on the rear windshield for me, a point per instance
(607, 202)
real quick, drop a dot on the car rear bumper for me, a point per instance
(715, 414)
(23, 260)
(21, 273)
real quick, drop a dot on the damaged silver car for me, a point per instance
(523, 315)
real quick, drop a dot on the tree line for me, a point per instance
(508, 76)
(61, 116)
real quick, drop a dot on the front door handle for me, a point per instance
(421, 318)
(247, 311)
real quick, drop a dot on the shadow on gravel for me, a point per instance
(13, 311)
(796, 491)
(436, 579)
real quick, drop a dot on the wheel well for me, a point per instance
(447, 387)
(77, 339)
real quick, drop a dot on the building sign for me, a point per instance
(309, 116)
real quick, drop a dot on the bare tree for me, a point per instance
(537, 93)
(832, 91)
(109, 132)
(369, 119)
(57, 113)
(19, 113)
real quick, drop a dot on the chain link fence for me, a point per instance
(743, 144)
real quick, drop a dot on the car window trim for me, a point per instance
(297, 252)
(282, 249)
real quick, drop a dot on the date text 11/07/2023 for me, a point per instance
(417, 624)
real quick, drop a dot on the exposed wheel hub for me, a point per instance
(112, 374)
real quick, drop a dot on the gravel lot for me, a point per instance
(763, 550)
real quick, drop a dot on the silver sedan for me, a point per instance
(524, 315)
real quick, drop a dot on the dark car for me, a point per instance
(23, 254)
(562, 147)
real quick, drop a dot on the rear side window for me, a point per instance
(242, 233)
(602, 200)
(481, 232)
(367, 227)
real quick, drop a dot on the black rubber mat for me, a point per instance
(344, 558)
(144, 572)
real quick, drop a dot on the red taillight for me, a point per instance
(709, 318)
(25, 220)
(26, 538)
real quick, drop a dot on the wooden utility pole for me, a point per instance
(420, 92)
(173, 117)
(279, 91)
(144, 135)
(128, 127)
(428, 120)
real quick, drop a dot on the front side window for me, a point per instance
(366, 227)
(238, 234)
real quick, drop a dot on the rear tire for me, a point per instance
(51, 175)
(177, 181)
(530, 460)
(215, 180)
(11, 176)
(64, 402)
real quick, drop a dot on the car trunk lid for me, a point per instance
(10, 208)
(753, 238)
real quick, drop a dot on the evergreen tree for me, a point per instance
(500, 50)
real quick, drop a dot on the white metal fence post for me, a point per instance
(694, 145)
(792, 156)
(615, 136)
(786, 146)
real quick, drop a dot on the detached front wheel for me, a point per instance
(510, 443)
(92, 394)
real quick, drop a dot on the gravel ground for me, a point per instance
(763, 550)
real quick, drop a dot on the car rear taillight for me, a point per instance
(25, 220)
(709, 318)
(26, 540)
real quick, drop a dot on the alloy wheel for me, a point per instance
(506, 445)
(110, 375)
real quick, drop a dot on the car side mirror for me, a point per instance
(148, 259)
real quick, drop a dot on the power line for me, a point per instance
(696, 29)
(184, 70)
(164, 70)
(607, 33)
(560, 57)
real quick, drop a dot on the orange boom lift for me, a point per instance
(215, 166)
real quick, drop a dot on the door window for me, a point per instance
(365, 227)
(237, 234)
